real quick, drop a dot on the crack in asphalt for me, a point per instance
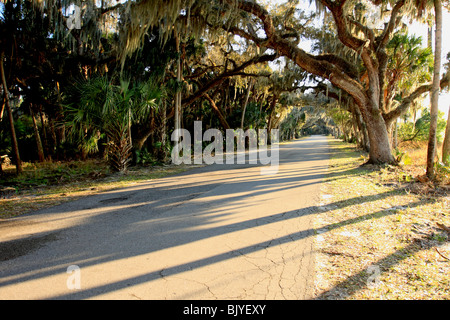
(229, 232)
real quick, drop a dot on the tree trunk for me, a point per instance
(11, 119)
(430, 35)
(270, 117)
(395, 133)
(178, 92)
(130, 139)
(162, 154)
(356, 125)
(432, 141)
(61, 130)
(40, 149)
(44, 138)
(142, 134)
(380, 147)
(53, 136)
(340, 72)
(446, 145)
(245, 103)
(363, 129)
(219, 114)
(3, 107)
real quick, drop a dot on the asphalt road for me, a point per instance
(215, 232)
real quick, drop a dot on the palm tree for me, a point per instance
(8, 41)
(18, 161)
(446, 144)
(103, 107)
(431, 151)
(408, 68)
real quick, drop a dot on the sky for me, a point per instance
(421, 30)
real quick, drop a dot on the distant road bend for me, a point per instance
(216, 232)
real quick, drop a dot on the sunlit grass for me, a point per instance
(376, 221)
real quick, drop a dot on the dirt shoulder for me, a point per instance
(48, 184)
(380, 235)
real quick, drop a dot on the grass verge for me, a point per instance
(380, 235)
(47, 184)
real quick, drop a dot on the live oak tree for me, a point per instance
(93, 48)
(281, 31)
(370, 46)
(237, 16)
(366, 87)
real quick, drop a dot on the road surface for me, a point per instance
(214, 232)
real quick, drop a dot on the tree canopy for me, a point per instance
(78, 71)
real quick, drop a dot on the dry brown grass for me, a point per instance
(415, 154)
(379, 234)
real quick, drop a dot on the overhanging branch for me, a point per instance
(406, 102)
(239, 70)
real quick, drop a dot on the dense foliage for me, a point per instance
(113, 80)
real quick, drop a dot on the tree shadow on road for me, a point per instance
(154, 216)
